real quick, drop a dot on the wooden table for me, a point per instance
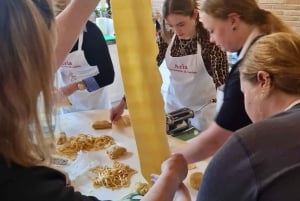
(80, 122)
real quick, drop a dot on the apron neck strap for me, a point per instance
(80, 40)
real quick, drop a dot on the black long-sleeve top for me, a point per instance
(96, 53)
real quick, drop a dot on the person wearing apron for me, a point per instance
(197, 67)
(190, 86)
(76, 73)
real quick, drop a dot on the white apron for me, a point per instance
(190, 86)
(75, 68)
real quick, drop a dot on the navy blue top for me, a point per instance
(232, 114)
(260, 162)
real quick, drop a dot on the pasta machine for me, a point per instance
(179, 120)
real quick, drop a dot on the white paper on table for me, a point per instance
(78, 170)
(82, 164)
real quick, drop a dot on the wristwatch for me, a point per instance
(81, 85)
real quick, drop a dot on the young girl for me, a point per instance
(197, 67)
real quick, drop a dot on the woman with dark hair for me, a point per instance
(197, 66)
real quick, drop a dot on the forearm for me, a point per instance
(117, 111)
(199, 149)
(163, 189)
(71, 88)
(206, 144)
(69, 24)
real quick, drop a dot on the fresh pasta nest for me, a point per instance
(142, 188)
(83, 142)
(115, 177)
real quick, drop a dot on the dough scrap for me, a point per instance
(104, 124)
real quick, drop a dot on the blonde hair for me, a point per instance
(249, 12)
(178, 7)
(26, 69)
(277, 54)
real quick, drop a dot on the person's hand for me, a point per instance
(68, 89)
(117, 111)
(60, 99)
(176, 166)
(168, 185)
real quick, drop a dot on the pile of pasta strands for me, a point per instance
(115, 177)
(83, 142)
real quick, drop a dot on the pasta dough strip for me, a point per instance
(135, 36)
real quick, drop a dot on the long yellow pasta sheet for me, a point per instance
(135, 37)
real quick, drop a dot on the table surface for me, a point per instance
(80, 122)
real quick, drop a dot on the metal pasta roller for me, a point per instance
(178, 120)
